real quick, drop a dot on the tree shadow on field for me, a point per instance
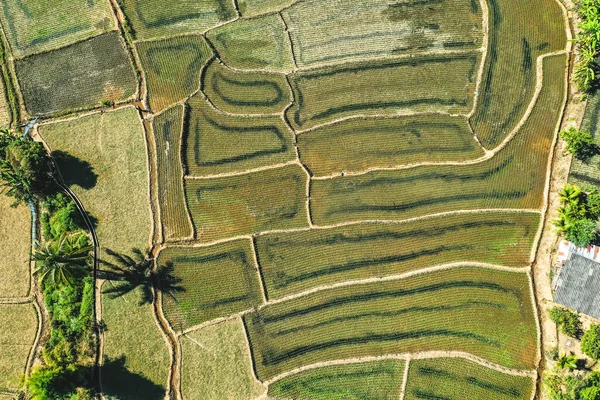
(130, 273)
(75, 171)
(120, 383)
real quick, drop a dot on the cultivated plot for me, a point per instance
(217, 143)
(17, 334)
(250, 8)
(586, 172)
(293, 262)
(376, 380)
(77, 76)
(484, 312)
(259, 43)
(231, 206)
(172, 68)
(15, 239)
(167, 128)
(513, 178)
(210, 282)
(31, 26)
(359, 144)
(456, 379)
(103, 158)
(159, 18)
(216, 364)
(434, 83)
(332, 32)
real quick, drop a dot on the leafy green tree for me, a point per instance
(579, 143)
(567, 321)
(582, 232)
(58, 262)
(567, 362)
(590, 342)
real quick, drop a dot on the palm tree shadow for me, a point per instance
(130, 273)
(120, 383)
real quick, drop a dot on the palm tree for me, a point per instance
(565, 361)
(58, 262)
(569, 194)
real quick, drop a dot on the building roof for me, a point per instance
(578, 285)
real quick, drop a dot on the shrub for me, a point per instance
(590, 342)
(582, 232)
(579, 143)
(567, 321)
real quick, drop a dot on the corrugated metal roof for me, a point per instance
(578, 286)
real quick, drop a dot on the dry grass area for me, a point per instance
(102, 157)
(15, 245)
(216, 364)
(17, 333)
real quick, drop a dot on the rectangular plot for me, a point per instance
(487, 313)
(217, 143)
(300, 261)
(172, 68)
(587, 172)
(418, 84)
(244, 204)
(17, 333)
(513, 178)
(377, 380)
(257, 43)
(103, 158)
(77, 76)
(240, 92)
(215, 282)
(331, 32)
(216, 364)
(15, 246)
(515, 42)
(250, 8)
(167, 128)
(134, 348)
(33, 26)
(457, 378)
(358, 144)
(159, 18)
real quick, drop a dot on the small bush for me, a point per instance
(567, 321)
(579, 143)
(590, 342)
(582, 232)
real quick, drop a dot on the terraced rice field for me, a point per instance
(343, 199)
(378, 380)
(15, 236)
(17, 333)
(456, 309)
(455, 378)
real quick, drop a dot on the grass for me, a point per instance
(258, 43)
(102, 157)
(167, 128)
(216, 281)
(587, 172)
(299, 261)
(33, 27)
(484, 312)
(15, 236)
(158, 18)
(358, 144)
(77, 76)
(226, 207)
(218, 143)
(250, 8)
(418, 84)
(508, 82)
(377, 380)
(17, 333)
(246, 92)
(216, 364)
(172, 67)
(5, 105)
(457, 379)
(513, 178)
(331, 32)
(136, 358)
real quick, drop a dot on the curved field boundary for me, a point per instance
(489, 154)
(407, 357)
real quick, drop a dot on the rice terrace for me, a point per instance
(280, 199)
